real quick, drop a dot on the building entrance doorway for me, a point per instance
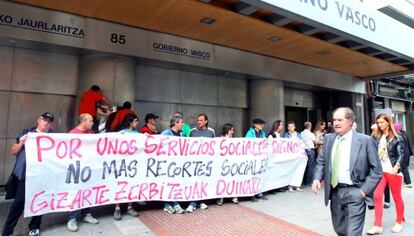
(297, 115)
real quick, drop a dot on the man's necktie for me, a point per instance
(336, 162)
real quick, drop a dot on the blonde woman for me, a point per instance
(390, 152)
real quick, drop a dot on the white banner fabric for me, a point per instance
(66, 172)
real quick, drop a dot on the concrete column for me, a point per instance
(267, 101)
(359, 111)
(114, 74)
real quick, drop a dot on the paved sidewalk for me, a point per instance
(308, 211)
(283, 214)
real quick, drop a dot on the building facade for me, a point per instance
(233, 60)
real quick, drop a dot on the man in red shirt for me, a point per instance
(84, 127)
(120, 115)
(150, 124)
(89, 102)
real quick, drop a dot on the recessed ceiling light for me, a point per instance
(207, 20)
(274, 38)
(361, 62)
(324, 52)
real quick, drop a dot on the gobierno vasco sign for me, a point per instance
(182, 51)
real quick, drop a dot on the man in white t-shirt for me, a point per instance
(309, 140)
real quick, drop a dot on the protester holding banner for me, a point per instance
(15, 187)
(202, 130)
(70, 172)
(150, 126)
(391, 154)
(277, 132)
(176, 123)
(128, 126)
(227, 132)
(84, 127)
(257, 132)
(277, 129)
(291, 133)
(186, 129)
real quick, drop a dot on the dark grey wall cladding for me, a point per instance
(157, 84)
(199, 89)
(3, 156)
(6, 68)
(299, 98)
(164, 91)
(44, 72)
(32, 82)
(4, 111)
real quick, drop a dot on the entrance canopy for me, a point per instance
(299, 31)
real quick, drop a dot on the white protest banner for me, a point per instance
(66, 172)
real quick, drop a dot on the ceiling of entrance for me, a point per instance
(238, 27)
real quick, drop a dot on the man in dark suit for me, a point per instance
(351, 168)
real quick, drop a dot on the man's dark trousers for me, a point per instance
(345, 200)
(16, 211)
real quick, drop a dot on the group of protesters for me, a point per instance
(390, 145)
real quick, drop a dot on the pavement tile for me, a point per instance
(228, 219)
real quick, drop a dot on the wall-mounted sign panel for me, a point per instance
(176, 49)
(116, 38)
(22, 22)
(33, 24)
(350, 17)
(48, 26)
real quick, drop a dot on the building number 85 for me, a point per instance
(118, 38)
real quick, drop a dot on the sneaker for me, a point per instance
(375, 230)
(220, 202)
(235, 200)
(178, 209)
(291, 190)
(299, 189)
(397, 228)
(203, 206)
(169, 209)
(190, 209)
(34, 232)
(90, 219)
(409, 186)
(132, 212)
(73, 225)
(117, 214)
(386, 205)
